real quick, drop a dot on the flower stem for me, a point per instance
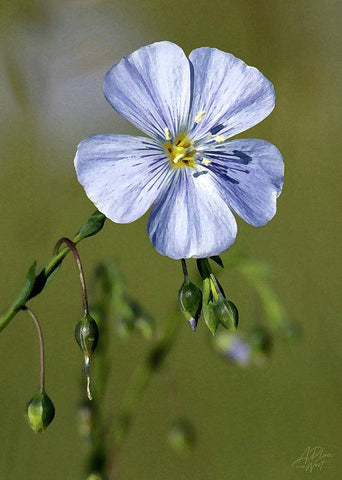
(41, 344)
(185, 270)
(72, 247)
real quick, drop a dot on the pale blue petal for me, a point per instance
(233, 95)
(250, 175)
(122, 175)
(151, 88)
(190, 218)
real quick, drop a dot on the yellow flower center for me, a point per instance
(181, 152)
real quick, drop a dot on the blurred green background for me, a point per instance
(251, 423)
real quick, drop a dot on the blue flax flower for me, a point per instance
(189, 169)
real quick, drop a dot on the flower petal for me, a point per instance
(122, 175)
(151, 88)
(190, 218)
(233, 95)
(250, 175)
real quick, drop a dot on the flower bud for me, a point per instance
(40, 412)
(95, 476)
(181, 436)
(227, 314)
(87, 335)
(190, 302)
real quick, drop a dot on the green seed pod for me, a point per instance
(227, 314)
(87, 335)
(40, 412)
(190, 302)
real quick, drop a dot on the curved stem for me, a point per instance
(72, 247)
(91, 227)
(41, 344)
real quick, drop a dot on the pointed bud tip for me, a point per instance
(193, 324)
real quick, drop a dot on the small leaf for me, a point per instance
(27, 289)
(217, 259)
(42, 280)
(92, 226)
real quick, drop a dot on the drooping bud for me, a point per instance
(182, 436)
(40, 412)
(87, 335)
(227, 314)
(190, 302)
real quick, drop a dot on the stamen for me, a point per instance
(167, 134)
(199, 116)
(178, 157)
(206, 161)
(180, 151)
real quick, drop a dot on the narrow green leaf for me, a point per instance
(24, 295)
(217, 259)
(92, 226)
(42, 279)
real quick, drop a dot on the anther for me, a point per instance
(167, 134)
(206, 161)
(199, 116)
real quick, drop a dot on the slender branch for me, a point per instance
(41, 344)
(92, 226)
(73, 248)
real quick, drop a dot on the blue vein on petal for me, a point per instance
(235, 157)
(216, 129)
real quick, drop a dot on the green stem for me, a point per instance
(41, 346)
(91, 227)
(72, 247)
(185, 269)
(141, 379)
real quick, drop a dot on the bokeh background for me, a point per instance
(251, 423)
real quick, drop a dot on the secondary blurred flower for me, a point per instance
(189, 170)
(233, 347)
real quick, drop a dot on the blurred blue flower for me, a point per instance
(189, 170)
(238, 351)
(233, 347)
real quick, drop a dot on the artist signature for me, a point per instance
(313, 458)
